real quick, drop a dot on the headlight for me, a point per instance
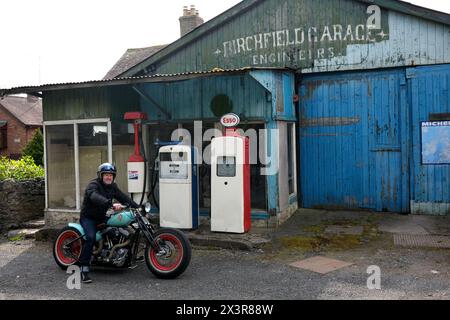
(148, 207)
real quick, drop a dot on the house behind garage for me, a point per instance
(20, 117)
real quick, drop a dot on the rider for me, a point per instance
(98, 198)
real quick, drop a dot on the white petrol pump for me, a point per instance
(136, 166)
(178, 187)
(230, 180)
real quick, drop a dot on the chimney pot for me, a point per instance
(190, 20)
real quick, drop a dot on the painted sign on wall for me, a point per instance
(305, 43)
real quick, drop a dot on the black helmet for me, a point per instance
(106, 168)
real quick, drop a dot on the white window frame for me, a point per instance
(75, 124)
(293, 156)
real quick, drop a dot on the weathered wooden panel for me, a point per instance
(307, 35)
(193, 99)
(351, 155)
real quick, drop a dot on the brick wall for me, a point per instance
(18, 135)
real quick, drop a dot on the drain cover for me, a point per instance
(407, 240)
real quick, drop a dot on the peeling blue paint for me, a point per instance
(354, 164)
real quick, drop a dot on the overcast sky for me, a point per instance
(51, 41)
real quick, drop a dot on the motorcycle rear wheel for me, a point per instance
(177, 254)
(62, 256)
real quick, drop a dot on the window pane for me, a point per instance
(123, 147)
(93, 151)
(173, 165)
(162, 132)
(60, 167)
(226, 166)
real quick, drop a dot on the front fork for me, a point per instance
(148, 232)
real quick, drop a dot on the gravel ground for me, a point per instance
(28, 271)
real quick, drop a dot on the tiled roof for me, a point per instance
(131, 58)
(27, 111)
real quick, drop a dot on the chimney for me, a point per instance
(190, 20)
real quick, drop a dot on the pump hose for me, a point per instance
(154, 180)
(145, 168)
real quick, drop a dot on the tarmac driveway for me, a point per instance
(28, 271)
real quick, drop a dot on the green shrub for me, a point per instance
(22, 169)
(35, 148)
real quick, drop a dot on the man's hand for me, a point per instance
(117, 207)
(101, 226)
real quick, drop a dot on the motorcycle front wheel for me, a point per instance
(65, 255)
(175, 256)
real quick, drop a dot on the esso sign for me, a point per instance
(230, 120)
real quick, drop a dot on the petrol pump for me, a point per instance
(178, 186)
(230, 180)
(136, 166)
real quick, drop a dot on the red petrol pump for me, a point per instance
(136, 166)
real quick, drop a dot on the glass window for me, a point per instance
(123, 147)
(60, 167)
(93, 151)
(161, 132)
(226, 166)
(3, 134)
(173, 165)
(173, 156)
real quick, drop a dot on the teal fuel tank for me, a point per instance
(121, 219)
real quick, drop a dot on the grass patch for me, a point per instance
(300, 243)
(343, 242)
(320, 228)
(319, 243)
(18, 237)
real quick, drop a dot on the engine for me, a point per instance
(114, 247)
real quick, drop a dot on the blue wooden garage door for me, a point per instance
(429, 92)
(353, 141)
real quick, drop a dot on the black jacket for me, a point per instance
(98, 198)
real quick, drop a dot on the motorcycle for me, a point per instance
(167, 251)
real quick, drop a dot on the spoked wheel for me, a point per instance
(65, 251)
(174, 257)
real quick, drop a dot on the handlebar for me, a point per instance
(128, 206)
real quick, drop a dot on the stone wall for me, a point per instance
(21, 201)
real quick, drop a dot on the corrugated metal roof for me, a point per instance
(127, 80)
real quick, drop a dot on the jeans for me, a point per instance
(90, 230)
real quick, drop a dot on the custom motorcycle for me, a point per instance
(127, 233)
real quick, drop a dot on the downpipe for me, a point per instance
(118, 246)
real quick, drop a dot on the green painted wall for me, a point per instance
(195, 99)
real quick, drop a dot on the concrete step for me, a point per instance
(33, 224)
(246, 242)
